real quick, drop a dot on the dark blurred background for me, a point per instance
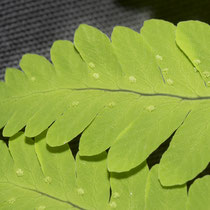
(31, 26)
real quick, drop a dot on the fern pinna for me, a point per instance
(127, 95)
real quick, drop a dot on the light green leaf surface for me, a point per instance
(128, 94)
(129, 148)
(92, 142)
(163, 198)
(96, 50)
(81, 112)
(192, 151)
(141, 189)
(199, 194)
(193, 38)
(36, 176)
(137, 61)
(128, 189)
(178, 73)
(71, 74)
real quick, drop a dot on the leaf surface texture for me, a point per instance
(128, 95)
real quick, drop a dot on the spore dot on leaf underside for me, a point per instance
(80, 191)
(170, 81)
(116, 195)
(150, 108)
(196, 61)
(91, 65)
(41, 208)
(48, 179)
(132, 79)
(96, 75)
(19, 172)
(111, 104)
(75, 103)
(11, 200)
(159, 57)
(206, 74)
(113, 205)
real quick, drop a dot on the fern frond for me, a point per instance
(128, 95)
(36, 176)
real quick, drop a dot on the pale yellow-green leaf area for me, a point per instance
(126, 94)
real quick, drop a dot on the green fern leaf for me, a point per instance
(172, 198)
(190, 145)
(199, 194)
(36, 176)
(128, 95)
(128, 188)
